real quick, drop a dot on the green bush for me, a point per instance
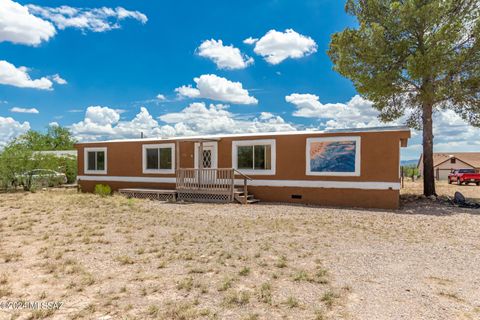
(14, 161)
(410, 171)
(103, 190)
(71, 169)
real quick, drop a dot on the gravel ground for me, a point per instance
(444, 189)
(135, 259)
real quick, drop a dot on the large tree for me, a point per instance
(412, 58)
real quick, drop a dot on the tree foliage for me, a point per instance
(406, 53)
(412, 58)
(21, 156)
(56, 138)
(410, 171)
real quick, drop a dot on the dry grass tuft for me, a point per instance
(236, 298)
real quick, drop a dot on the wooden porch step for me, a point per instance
(240, 197)
(249, 196)
(238, 191)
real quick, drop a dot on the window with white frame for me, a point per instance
(159, 158)
(95, 160)
(333, 156)
(254, 156)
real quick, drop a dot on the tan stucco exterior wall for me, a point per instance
(379, 162)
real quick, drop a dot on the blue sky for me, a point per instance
(156, 50)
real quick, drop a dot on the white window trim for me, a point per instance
(335, 139)
(85, 160)
(214, 153)
(238, 143)
(157, 146)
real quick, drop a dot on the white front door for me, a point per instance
(209, 156)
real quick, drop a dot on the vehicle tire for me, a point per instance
(449, 181)
(459, 182)
(478, 184)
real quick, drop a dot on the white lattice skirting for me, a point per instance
(203, 197)
(158, 196)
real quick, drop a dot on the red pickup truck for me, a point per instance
(464, 176)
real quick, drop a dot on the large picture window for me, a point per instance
(333, 156)
(254, 156)
(159, 158)
(95, 160)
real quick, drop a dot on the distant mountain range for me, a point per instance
(411, 162)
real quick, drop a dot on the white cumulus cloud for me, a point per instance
(225, 57)
(92, 19)
(98, 122)
(356, 113)
(210, 86)
(250, 40)
(451, 132)
(58, 80)
(11, 129)
(197, 118)
(18, 25)
(276, 46)
(19, 77)
(104, 123)
(102, 115)
(24, 110)
(33, 24)
(161, 97)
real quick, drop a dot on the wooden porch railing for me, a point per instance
(219, 182)
(206, 181)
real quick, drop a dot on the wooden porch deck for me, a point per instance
(212, 185)
(205, 185)
(200, 185)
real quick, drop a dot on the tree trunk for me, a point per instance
(428, 171)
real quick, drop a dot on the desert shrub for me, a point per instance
(103, 190)
(14, 161)
(71, 169)
(5, 184)
(411, 171)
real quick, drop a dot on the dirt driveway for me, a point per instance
(115, 258)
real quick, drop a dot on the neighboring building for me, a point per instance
(356, 167)
(444, 163)
(59, 153)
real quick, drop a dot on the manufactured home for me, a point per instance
(354, 168)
